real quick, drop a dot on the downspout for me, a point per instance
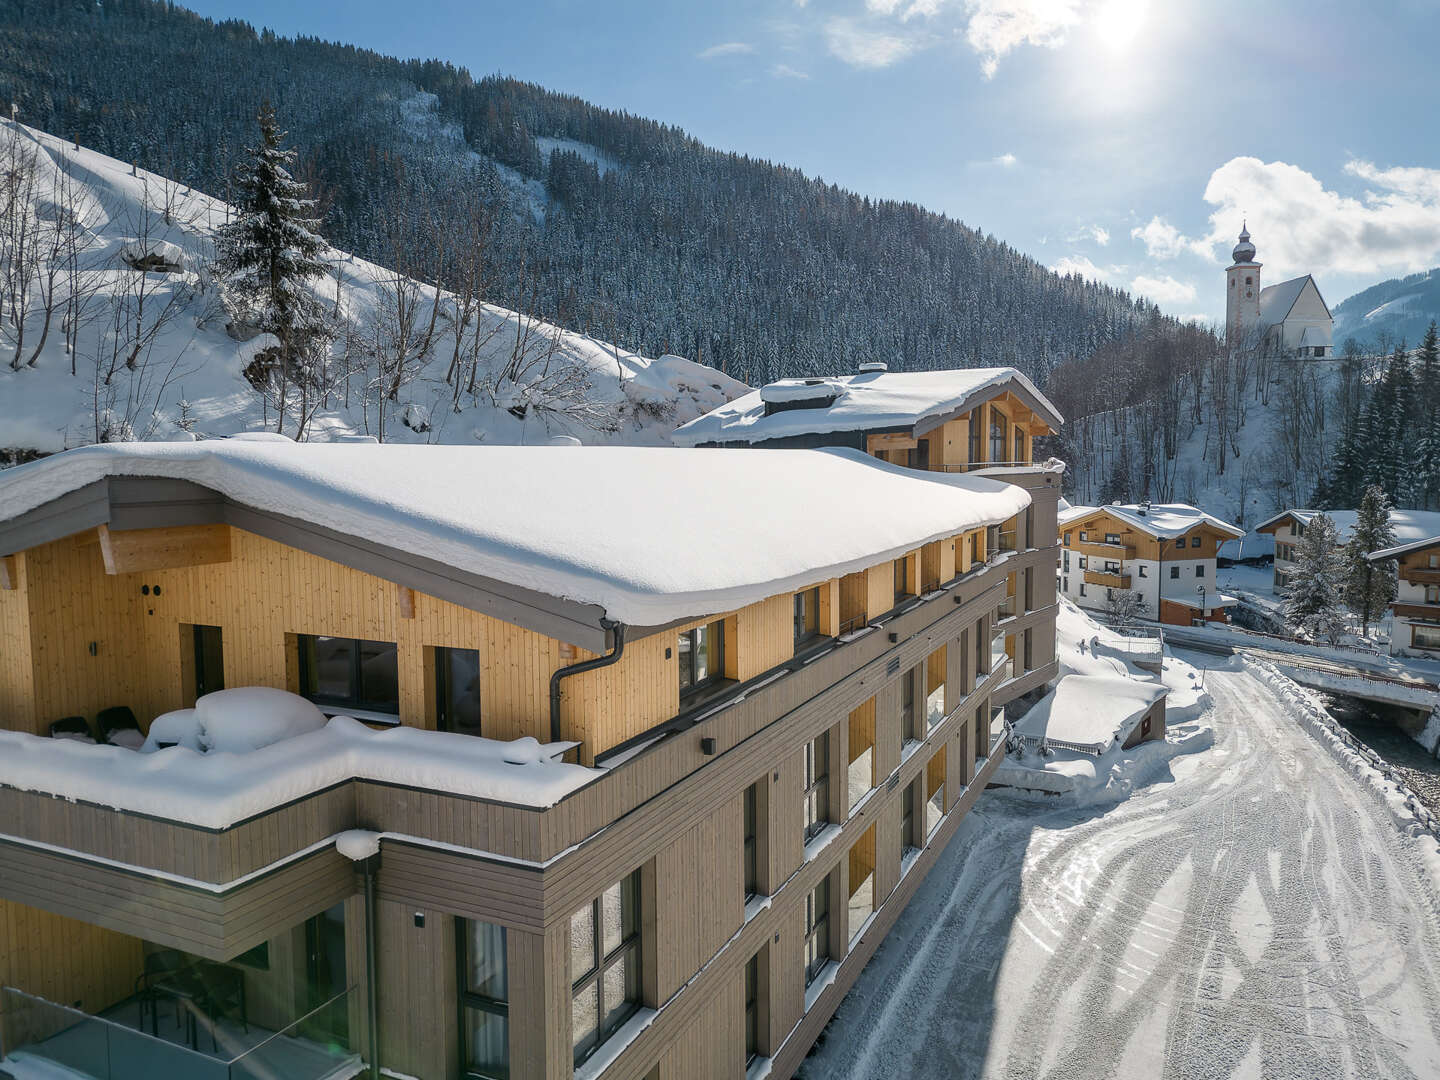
(372, 984)
(617, 630)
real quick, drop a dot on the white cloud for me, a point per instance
(1007, 161)
(865, 46)
(1163, 240)
(785, 71)
(1300, 226)
(1100, 235)
(1080, 264)
(996, 27)
(725, 48)
(1163, 290)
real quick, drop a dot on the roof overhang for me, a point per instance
(1015, 387)
(130, 502)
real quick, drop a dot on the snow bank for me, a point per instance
(871, 400)
(1354, 756)
(235, 721)
(218, 789)
(598, 525)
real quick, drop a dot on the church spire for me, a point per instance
(1244, 251)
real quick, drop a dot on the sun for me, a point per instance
(1119, 22)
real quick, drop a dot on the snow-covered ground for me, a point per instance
(532, 380)
(1253, 912)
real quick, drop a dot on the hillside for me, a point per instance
(607, 223)
(1392, 311)
(130, 352)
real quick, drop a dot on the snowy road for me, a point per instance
(1252, 913)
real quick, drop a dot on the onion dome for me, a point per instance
(1244, 251)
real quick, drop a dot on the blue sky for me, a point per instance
(1122, 138)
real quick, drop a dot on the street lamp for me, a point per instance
(1201, 590)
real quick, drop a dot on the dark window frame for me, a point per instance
(469, 1000)
(355, 700)
(443, 719)
(752, 1009)
(750, 833)
(817, 931)
(714, 651)
(902, 579)
(603, 963)
(807, 616)
(815, 777)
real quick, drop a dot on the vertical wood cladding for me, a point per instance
(417, 982)
(64, 960)
(17, 677)
(699, 895)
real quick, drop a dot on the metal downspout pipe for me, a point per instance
(617, 630)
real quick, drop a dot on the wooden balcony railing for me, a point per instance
(1107, 579)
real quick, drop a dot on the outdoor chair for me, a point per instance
(116, 725)
(76, 728)
(162, 967)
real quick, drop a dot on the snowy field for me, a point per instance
(1252, 912)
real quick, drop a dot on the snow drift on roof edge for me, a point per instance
(651, 535)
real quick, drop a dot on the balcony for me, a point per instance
(1106, 550)
(1421, 576)
(1108, 579)
(1427, 612)
(140, 1039)
(1006, 541)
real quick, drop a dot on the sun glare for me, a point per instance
(1118, 22)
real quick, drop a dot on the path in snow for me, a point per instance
(1254, 913)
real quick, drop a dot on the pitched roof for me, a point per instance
(1404, 549)
(875, 400)
(651, 535)
(1407, 525)
(1161, 520)
(1277, 301)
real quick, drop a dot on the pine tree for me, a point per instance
(1312, 601)
(268, 256)
(1370, 586)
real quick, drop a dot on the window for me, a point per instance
(752, 853)
(1084, 562)
(935, 791)
(860, 774)
(702, 657)
(605, 964)
(1109, 593)
(484, 999)
(1143, 572)
(910, 840)
(1199, 569)
(817, 780)
(1065, 584)
(1082, 589)
(1019, 445)
(349, 673)
(1425, 637)
(1083, 536)
(1067, 539)
(902, 578)
(457, 690)
(1174, 573)
(807, 615)
(257, 958)
(976, 419)
(998, 432)
(1065, 562)
(1249, 280)
(752, 1009)
(1432, 594)
(1112, 538)
(908, 714)
(935, 665)
(817, 931)
(1111, 566)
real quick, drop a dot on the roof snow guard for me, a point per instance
(558, 539)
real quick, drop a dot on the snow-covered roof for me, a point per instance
(1091, 710)
(651, 535)
(1405, 549)
(1277, 300)
(872, 400)
(1161, 520)
(1407, 525)
(219, 789)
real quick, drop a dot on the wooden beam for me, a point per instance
(136, 550)
(9, 573)
(890, 441)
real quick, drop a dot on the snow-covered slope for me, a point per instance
(147, 355)
(1401, 307)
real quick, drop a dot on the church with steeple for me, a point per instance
(1288, 319)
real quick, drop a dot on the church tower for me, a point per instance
(1242, 292)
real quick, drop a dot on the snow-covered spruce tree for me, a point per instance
(1370, 586)
(1313, 601)
(267, 256)
(1426, 485)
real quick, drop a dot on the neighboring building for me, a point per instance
(1415, 612)
(980, 421)
(1164, 555)
(1288, 319)
(771, 677)
(1288, 528)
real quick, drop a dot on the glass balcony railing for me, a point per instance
(1006, 541)
(116, 1046)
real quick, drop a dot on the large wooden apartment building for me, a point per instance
(635, 757)
(1415, 611)
(976, 421)
(1162, 555)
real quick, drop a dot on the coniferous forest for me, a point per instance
(601, 221)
